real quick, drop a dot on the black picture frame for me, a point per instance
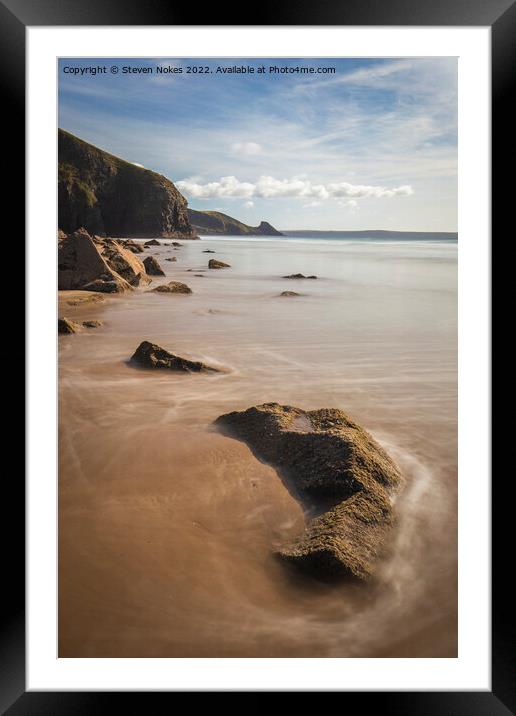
(15, 17)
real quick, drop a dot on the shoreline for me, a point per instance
(153, 449)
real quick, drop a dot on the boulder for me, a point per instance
(289, 293)
(172, 287)
(152, 242)
(92, 324)
(66, 326)
(298, 275)
(214, 264)
(338, 472)
(133, 246)
(124, 262)
(81, 265)
(149, 355)
(152, 267)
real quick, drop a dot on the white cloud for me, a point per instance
(269, 187)
(249, 149)
(249, 204)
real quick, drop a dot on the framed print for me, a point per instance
(258, 452)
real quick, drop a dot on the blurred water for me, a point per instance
(167, 528)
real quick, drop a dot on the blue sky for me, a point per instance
(371, 146)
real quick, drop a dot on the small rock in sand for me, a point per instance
(209, 251)
(298, 275)
(150, 355)
(173, 258)
(172, 287)
(289, 293)
(152, 267)
(66, 326)
(152, 242)
(214, 264)
(92, 324)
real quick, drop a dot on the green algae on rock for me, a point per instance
(333, 466)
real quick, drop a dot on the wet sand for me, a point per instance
(167, 528)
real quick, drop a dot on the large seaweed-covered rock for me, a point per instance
(113, 197)
(150, 355)
(337, 470)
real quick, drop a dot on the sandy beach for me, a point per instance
(167, 527)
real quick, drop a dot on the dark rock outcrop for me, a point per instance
(66, 326)
(337, 470)
(112, 197)
(152, 267)
(214, 264)
(298, 275)
(172, 287)
(215, 222)
(149, 355)
(152, 242)
(82, 265)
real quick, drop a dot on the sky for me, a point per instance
(333, 144)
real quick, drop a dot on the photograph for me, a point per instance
(257, 371)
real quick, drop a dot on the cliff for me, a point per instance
(214, 222)
(107, 195)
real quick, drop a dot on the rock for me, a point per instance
(336, 469)
(152, 267)
(289, 293)
(152, 242)
(149, 355)
(79, 298)
(82, 265)
(209, 251)
(66, 326)
(172, 287)
(92, 324)
(214, 264)
(133, 246)
(176, 243)
(298, 275)
(173, 258)
(124, 262)
(199, 275)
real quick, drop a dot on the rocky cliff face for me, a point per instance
(107, 195)
(215, 222)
